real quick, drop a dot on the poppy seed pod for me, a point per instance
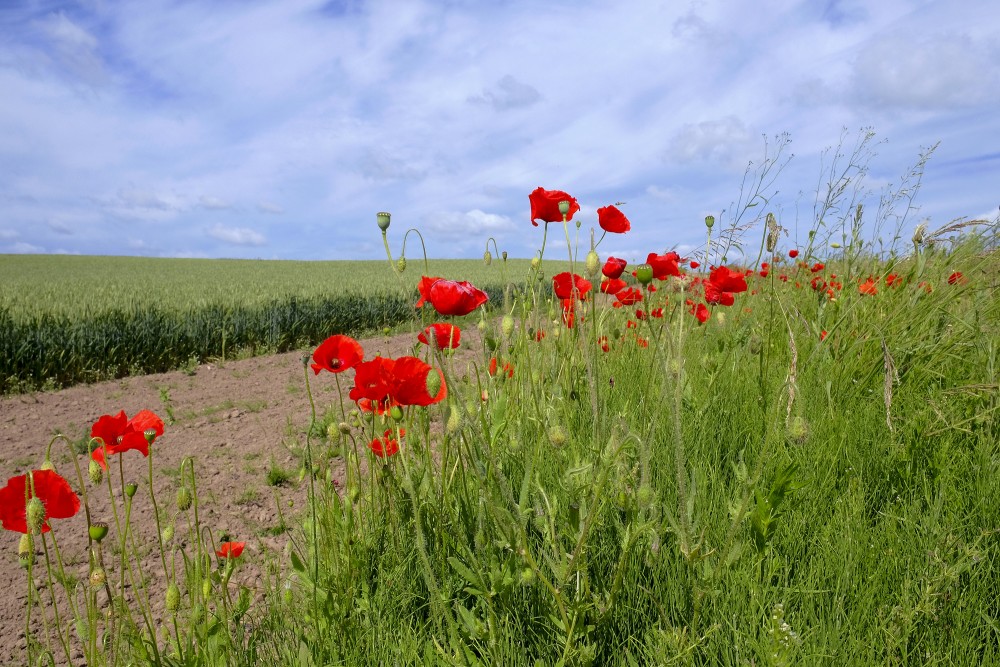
(644, 274)
(130, 489)
(383, 219)
(564, 207)
(98, 531)
(503, 255)
(396, 413)
(709, 221)
(98, 577)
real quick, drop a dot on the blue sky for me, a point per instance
(278, 129)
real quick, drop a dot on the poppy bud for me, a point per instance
(206, 588)
(503, 255)
(481, 324)
(487, 258)
(344, 428)
(396, 413)
(578, 223)
(709, 221)
(563, 207)
(835, 245)
(26, 550)
(401, 264)
(168, 532)
(94, 472)
(644, 274)
(47, 464)
(535, 262)
(557, 436)
(433, 383)
(98, 531)
(507, 325)
(130, 489)
(798, 430)
(454, 420)
(593, 264)
(98, 577)
(183, 499)
(383, 219)
(35, 515)
(173, 598)
(527, 576)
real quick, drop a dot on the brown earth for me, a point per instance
(238, 419)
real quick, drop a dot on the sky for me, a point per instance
(252, 129)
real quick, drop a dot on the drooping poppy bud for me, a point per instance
(593, 263)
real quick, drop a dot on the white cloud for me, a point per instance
(508, 93)
(8, 234)
(22, 248)
(268, 207)
(213, 203)
(720, 141)
(237, 235)
(475, 223)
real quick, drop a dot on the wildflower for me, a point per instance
(545, 205)
(727, 280)
(230, 549)
(424, 287)
(665, 265)
(118, 434)
(55, 500)
(450, 297)
(443, 335)
(385, 446)
(868, 287)
(613, 285)
(566, 286)
(629, 296)
(337, 354)
(508, 368)
(817, 267)
(956, 278)
(614, 267)
(694, 264)
(612, 220)
(893, 280)
(700, 312)
(793, 253)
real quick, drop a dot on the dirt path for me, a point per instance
(240, 420)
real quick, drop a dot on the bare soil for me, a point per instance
(238, 419)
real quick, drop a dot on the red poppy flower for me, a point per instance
(656, 312)
(614, 267)
(629, 296)
(230, 549)
(424, 287)
(603, 342)
(444, 335)
(508, 368)
(539, 335)
(664, 265)
(372, 379)
(563, 285)
(822, 335)
(893, 280)
(386, 446)
(455, 298)
(412, 383)
(612, 220)
(694, 264)
(545, 205)
(727, 280)
(613, 285)
(336, 354)
(867, 288)
(569, 312)
(57, 496)
(119, 434)
(925, 286)
(641, 342)
(818, 283)
(817, 267)
(956, 278)
(793, 253)
(700, 312)
(717, 297)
